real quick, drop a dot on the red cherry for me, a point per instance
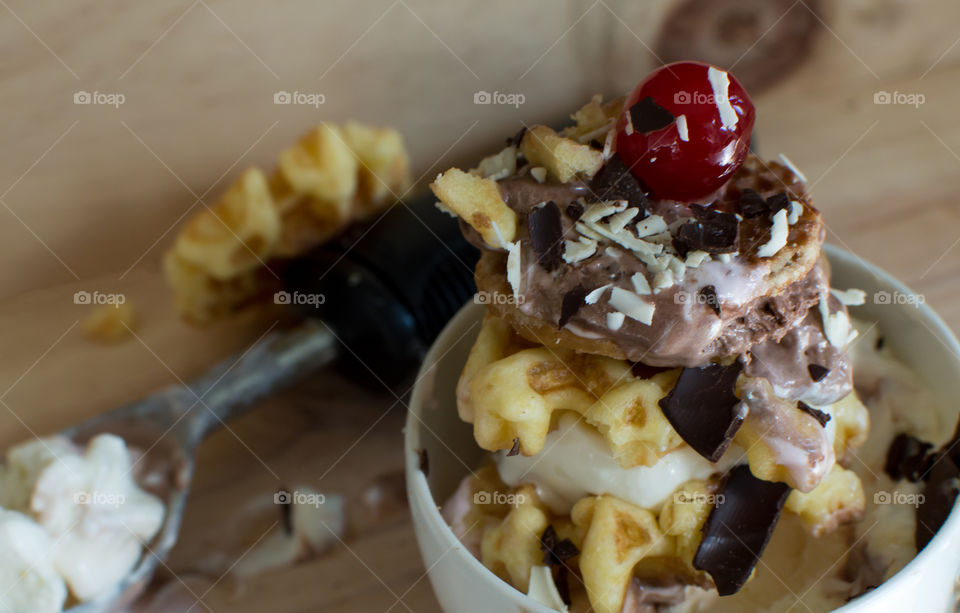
(717, 135)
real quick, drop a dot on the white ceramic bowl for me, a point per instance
(463, 585)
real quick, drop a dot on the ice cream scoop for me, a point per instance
(387, 292)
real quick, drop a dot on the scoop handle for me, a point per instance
(235, 384)
(388, 289)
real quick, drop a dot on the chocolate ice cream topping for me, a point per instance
(683, 331)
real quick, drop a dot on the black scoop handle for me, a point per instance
(387, 289)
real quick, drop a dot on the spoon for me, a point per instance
(170, 424)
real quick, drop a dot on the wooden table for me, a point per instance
(90, 193)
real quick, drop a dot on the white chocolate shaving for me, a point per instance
(786, 162)
(513, 268)
(594, 296)
(544, 590)
(796, 209)
(850, 297)
(579, 250)
(640, 284)
(778, 236)
(631, 305)
(620, 220)
(615, 320)
(720, 83)
(539, 173)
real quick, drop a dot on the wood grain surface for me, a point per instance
(90, 193)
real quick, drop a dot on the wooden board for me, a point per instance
(90, 194)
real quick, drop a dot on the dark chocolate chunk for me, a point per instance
(817, 372)
(752, 204)
(712, 231)
(703, 408)
(777, 202)
(423, 461)
(908, 458)
(939, 496)
(515, 450)
(614, 181)
(556, 551)
(708, 295)
(575, 211)
(738, 528)
(880, 343)
(572, 301)
(555, 555)
(516, 138)
(817, 414)
(645, 371)
(647, 116)
(546, 233)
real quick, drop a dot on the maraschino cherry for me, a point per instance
(691, 155)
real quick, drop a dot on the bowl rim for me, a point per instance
(418, 488)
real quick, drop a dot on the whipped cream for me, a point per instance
(576, 462)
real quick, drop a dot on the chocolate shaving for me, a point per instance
(777, 202)
(738, 528)
(572, 301)
(708, 295)
(703, 408)
(575, 211)
(817, 372)
(515, 450)
(555, 554)
(423, 462)
(516, 138)
(908, 458)
(712, 231)
(645, 371)
(940, 493)
(880, 343)
(647, 116)
(614, 181)
(817, 414)
(939, 496)
(546, 233)
(752, 203)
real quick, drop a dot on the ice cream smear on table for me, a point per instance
(73, 524)
(674, 398)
